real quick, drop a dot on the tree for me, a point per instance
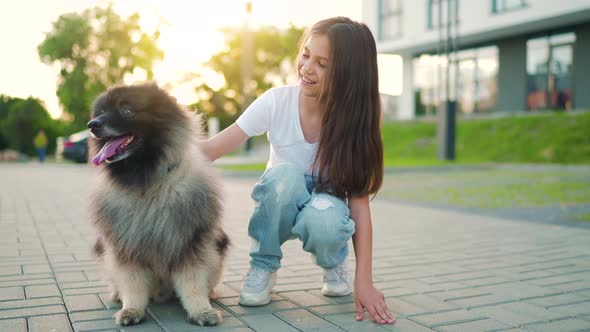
(274, 56)
(24, 118)
(96, 49)
(5, 103)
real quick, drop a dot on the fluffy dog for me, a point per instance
(157, 206)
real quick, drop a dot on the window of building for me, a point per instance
(549, 71)
(438, 13)
(500, 6)
(477, 85)
(427, 84)
(473, 81)
(390, 19)
(430, 72)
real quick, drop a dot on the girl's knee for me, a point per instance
(328, 207)
(323, 223)
(339, 231)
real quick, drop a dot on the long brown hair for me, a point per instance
(349, 159)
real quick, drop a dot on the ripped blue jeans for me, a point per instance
(288, 207)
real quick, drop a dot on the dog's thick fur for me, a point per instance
(157, 210)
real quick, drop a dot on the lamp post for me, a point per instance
(447, 110)
(247, 64)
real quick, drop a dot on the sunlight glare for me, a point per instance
(390, 74)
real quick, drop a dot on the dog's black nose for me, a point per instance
(94, 124)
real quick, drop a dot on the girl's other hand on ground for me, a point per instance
(368, 297)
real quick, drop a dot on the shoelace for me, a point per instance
(255, 277)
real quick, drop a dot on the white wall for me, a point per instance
(475, 16)
(475, 19)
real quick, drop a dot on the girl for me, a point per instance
(326, 158)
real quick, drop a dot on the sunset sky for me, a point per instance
(191, 37)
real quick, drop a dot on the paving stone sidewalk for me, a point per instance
(439, 270)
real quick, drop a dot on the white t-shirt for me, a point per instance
(276, 112)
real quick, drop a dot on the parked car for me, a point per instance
(73, 147)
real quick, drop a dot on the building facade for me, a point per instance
(507, 55)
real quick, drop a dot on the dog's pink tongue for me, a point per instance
(108, 150)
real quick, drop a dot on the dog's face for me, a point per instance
(128, 120)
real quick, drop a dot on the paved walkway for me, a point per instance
(439, 270)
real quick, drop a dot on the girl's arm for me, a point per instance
(365, 294)
(224, 142)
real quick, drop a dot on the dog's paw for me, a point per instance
(125, 317)
(208, 317)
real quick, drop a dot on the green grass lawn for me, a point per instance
(490, 196)
(491, 188)
(244, 167)
(545, 138)
(582, 217)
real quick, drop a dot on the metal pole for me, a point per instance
(448, 52)
(441, 102)
(455, 40)
(446, 116)
(439, 55)
(247, 64)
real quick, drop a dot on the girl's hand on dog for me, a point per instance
(368, 297)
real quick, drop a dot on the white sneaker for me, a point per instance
(257, 286)
(336, 281)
